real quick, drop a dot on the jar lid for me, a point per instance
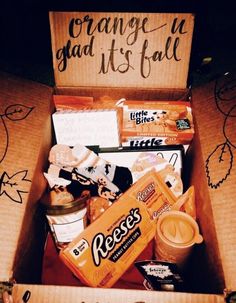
(69, 207)
(177, 230)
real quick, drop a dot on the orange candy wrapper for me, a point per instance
(108, 246)
(153, 192)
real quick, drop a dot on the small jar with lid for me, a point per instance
(68, 220)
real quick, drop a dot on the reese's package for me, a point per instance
(153, 192)
(107, 247)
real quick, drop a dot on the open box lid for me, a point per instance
(214, 109)
(24, 121)
(150, 50)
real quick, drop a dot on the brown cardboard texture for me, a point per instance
(62, 294)
(25, 120)
(214, 168)
(121, 49)
(27, 136)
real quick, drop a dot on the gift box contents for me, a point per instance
(119, 216)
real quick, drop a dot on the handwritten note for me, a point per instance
(121, 49)
(88, 127)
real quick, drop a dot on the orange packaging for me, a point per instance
(153, 192)
(63, 102)
(107, 247)
(170, 121)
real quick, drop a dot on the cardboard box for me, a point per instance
(26, 137)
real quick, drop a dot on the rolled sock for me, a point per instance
(55, 181)
(86, 157)
(80, 182)
(88, 164)
(97, 175)
(77, 156)
(118, 175)
(62, 156)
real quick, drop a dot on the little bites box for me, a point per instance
(169, 122)
(105, 55)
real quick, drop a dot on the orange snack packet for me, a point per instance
(153, 191)
(107, 247)
(186, 203)
(64, 102)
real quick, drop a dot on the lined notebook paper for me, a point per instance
(87, 127)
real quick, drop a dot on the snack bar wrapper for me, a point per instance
(107, 247)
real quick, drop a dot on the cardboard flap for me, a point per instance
(214, 108)
(62, 294)
(149, 50)
(24, 106)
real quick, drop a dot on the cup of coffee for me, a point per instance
(176, 234)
